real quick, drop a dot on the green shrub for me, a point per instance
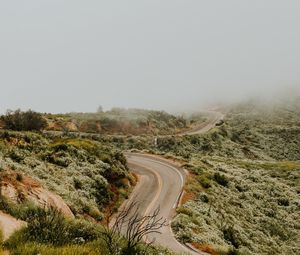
(19, 177)
(101, 192)
(20, 211)
(275, 229)
(5, 205)
(16, 156)
(50, 227)
(185, 210)
(204, 198)
(198, 170)
(221, 179)
(231, 235)
(47, 226)
(24, 121)
(16, 239)
(283, 201)
(233, 251)
(83, 231)
(205, 181)
(77, 183)
(186, 237)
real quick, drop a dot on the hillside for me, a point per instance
(119, 121)
(60, 192)
(88, 175)
(242, 195)
(82, 176)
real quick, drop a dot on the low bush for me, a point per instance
(51, 228)
(205, 181)
(43, 226)
(21, 211)
(184, 210)
(24, 121)
(231, 236)
(221, 179)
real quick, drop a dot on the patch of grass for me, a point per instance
(184, 210)
(35, 249)
(19, 211)
(61, 144)
(267, 165)
(51, 228)
(1, 237)
(205, 180)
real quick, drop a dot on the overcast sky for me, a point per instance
(61, 56)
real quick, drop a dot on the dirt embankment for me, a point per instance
(9, 224)
(18, 188)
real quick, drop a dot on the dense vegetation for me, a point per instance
(49, 232)
(88, 175)
(88, 172)
(250, 131)
(243, 195)
(119, 121)
(23, 121)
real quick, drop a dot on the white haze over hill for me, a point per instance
(71, 55)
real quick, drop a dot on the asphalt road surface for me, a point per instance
(160, 185)
(212, 120)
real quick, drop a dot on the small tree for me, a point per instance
(24, 121)
(100, 109)
(131, 228)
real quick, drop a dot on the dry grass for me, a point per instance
(187, 196)
(205, 248)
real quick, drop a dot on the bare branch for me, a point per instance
(133, 228)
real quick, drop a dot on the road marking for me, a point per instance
(160, 185)
(159, 179)
(177, 171)
(139, 164)
(169, 166)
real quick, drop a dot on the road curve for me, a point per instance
(160, 185)
(213, 119)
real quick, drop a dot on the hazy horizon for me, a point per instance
(65, 56)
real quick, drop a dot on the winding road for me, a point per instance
(160, 184)
(213, 119)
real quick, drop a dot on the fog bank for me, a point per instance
(62, 56)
